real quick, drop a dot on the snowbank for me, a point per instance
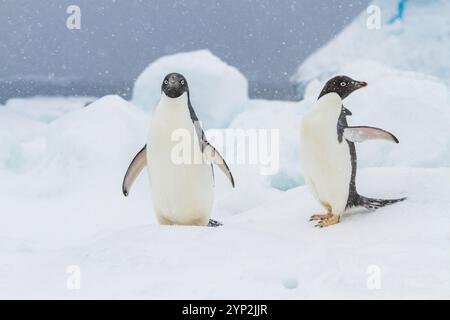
(269, 252)
(218, 91)
(46, 109)
(70, 188)
(97, 137)
(419, 42)
(284, 117)
(17, 134)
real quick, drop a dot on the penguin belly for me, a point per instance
(181, 193)
(326, 162)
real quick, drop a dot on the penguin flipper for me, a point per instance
(135, 167)
(364, 133)
(346, 112)
(214, 157)
(211, 153)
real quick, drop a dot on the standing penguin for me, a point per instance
(329, 155)
(182, 192)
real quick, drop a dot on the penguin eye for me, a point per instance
(343, 84)
(182, 82)
(166, 81)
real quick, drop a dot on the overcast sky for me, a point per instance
(265, 39)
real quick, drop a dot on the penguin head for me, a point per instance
(174, 85)
(342, 85)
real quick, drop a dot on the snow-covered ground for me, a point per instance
(62, 161)
(270, 251)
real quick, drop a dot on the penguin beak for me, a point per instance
(360, 84)
(172, 81)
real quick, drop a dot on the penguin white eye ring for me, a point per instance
(182, 81)
(166, 81)
(343, 84)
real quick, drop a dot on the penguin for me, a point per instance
(329, 156)
(182, 193)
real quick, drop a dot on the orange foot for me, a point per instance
(334, 219)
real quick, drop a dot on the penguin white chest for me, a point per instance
(182, 191)
(326, 161)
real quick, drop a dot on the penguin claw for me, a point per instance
(214, 223)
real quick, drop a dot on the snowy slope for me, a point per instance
(271, 251)
(420, 41)
(62, 181)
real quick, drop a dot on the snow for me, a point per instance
(218, 91)
(63, 159)
(284, 117)
(70, 172)
(270, 251)
(419, 42)
(67, 210)
(46, 109)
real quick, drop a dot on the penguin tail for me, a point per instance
(374, 204)
(214, 223)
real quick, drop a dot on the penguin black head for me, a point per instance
(342, 85)
(174, 85)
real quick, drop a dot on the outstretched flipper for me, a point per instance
(135, 167)
(363, 133)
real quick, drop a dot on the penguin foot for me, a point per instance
(320, 216)
(334, 219)
(214, 223)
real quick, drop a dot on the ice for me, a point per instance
(284, 117)
(46, 109)
(24, 123)
(217, 91)
(96, 137)
(419, 42)
(269, 252)
(16, 133)
(62, 163)
(73, 180)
